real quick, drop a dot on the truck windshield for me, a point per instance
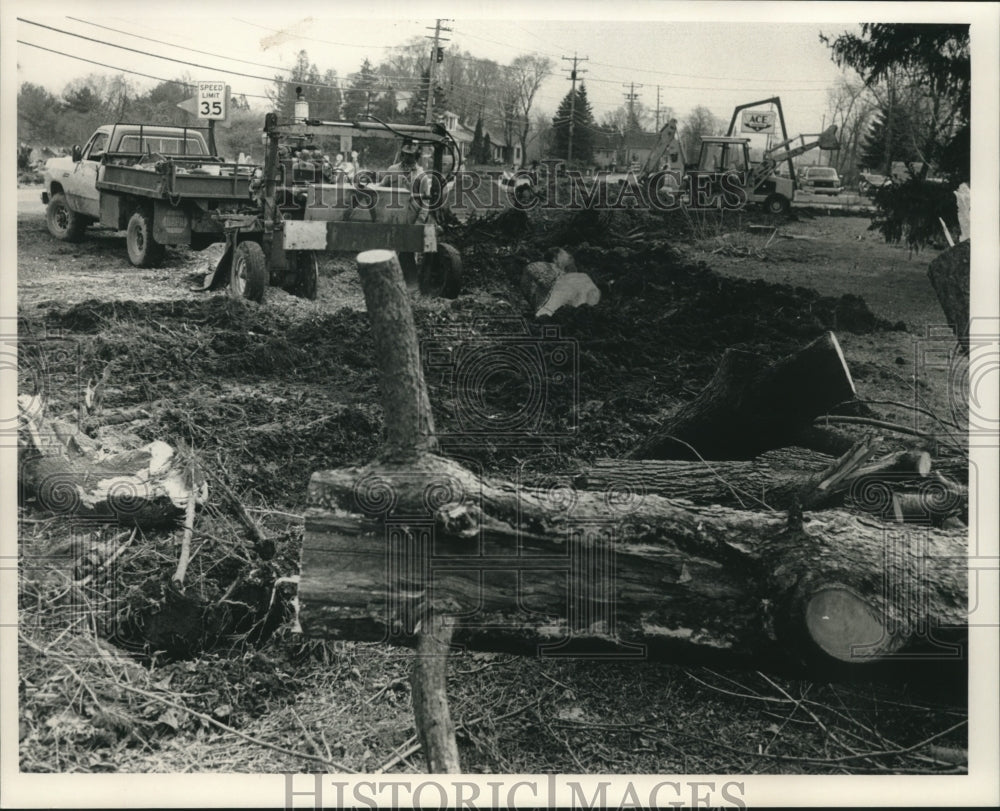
(164, 144)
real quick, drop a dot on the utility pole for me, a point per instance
(630, 97)
(572, 100)
(657, 108)
(435, 58)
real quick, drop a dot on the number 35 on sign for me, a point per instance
(213, 100)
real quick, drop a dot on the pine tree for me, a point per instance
(487, 150)
(476, 150)
(890, 136)
(416, 107)
(362, 96)
(583, 127)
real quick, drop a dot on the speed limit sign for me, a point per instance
(213, 100)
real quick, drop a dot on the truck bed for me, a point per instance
(171, 179)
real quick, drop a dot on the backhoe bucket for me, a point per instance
(828, 138)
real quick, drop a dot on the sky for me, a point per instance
(687, 55)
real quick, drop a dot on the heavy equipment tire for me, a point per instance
(306, 283)
(62, 221)
(143, 250)
(248, 277)
(408, 264)
(777, 204)
(441, 274)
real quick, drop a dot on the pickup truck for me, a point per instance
(162, 185)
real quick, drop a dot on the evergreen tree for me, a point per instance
(363, 95)
(476, 150)
(304, 74)
(583, 127)
(889, 139)
(416, 107)
(486, 154)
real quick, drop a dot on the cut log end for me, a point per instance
(844, 626)
(375, 257)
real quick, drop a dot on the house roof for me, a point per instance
(464, 133)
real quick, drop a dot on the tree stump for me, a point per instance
(409, 437)
(750, 406)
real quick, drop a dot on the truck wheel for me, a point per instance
(63, 222)
(307, 276)
(777, 204)
(441, 274)
(408, 264)
(143, 250)
(248, 277)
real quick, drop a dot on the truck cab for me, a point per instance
(70, 183)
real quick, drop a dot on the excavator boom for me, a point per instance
(666, 141)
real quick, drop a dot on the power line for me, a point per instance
(125, 70)
(171, 59)
(182, 47)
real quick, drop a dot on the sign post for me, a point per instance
(213, 101)
(212, 105)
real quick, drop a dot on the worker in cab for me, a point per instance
(408, 174)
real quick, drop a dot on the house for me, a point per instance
(637, 146)
(463, 134)
(606, 146)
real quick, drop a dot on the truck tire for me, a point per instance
(143, 250)
(248, 277)
(777, 204)
(306, 283)
(408, 264)
(62, 221)
(441, 272)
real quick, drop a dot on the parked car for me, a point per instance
(870, 181)
(820, 180)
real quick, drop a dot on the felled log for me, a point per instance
(553, 572)
(949, 273)
(766, 482)
(64, 471)
(750, 406)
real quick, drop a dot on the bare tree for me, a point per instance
(524, 76)
(851, 106)
(699, 123)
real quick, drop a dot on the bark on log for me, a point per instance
(823, 439)
(561, 572)
(950, 277)
(64, 471)
(748, 407)
(762, 483)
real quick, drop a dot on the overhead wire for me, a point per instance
(172, 59)
(125, 70)
(174, 45)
